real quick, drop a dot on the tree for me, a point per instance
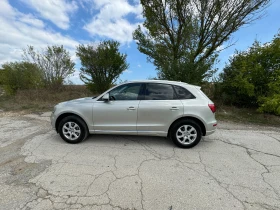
(1, 76)
(182, 37)
(101, 65)
(20, 76)
(252, 77)
(54, 61)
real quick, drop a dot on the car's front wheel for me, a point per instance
(72, 129)
(186, 133)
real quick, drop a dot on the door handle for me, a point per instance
(131, 108)
(174, 108)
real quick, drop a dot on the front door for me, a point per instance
(119, 114)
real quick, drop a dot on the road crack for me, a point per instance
(262, 174)
(220, 183)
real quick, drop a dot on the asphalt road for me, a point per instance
(238, 167)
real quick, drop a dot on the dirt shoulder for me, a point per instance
(228, 125)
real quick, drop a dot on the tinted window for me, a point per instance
(125, 92)
(159, 92)
(183, 93)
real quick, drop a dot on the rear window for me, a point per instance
(183, 93)
(156, 91)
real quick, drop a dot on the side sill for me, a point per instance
(140, 133)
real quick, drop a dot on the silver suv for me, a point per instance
(171, 109)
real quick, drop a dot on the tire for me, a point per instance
(73, 129)
(186, 133)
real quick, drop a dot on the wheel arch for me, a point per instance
(62, 116)
(198, 121)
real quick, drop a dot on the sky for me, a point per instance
(72, 22)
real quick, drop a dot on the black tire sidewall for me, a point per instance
(83, 127)
(185, 122)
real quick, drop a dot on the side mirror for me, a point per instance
(106, 97)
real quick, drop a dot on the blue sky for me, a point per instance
(74, 22)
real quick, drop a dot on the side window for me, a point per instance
(183, 93)
(156, 91)
(125, 92)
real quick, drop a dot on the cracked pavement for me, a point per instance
(238, 167)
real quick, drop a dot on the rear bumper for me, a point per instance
(52, 121)
(210, 132)
(211, 128)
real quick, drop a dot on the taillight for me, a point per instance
(212, 107)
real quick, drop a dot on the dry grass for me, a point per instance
(42, 99)
(246, 115)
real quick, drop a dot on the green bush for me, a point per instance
(270, 104)
(20, 76)
(252, 77)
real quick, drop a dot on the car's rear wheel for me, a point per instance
(186, 133)
(72, 129)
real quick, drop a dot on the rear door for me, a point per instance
(158, 109)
